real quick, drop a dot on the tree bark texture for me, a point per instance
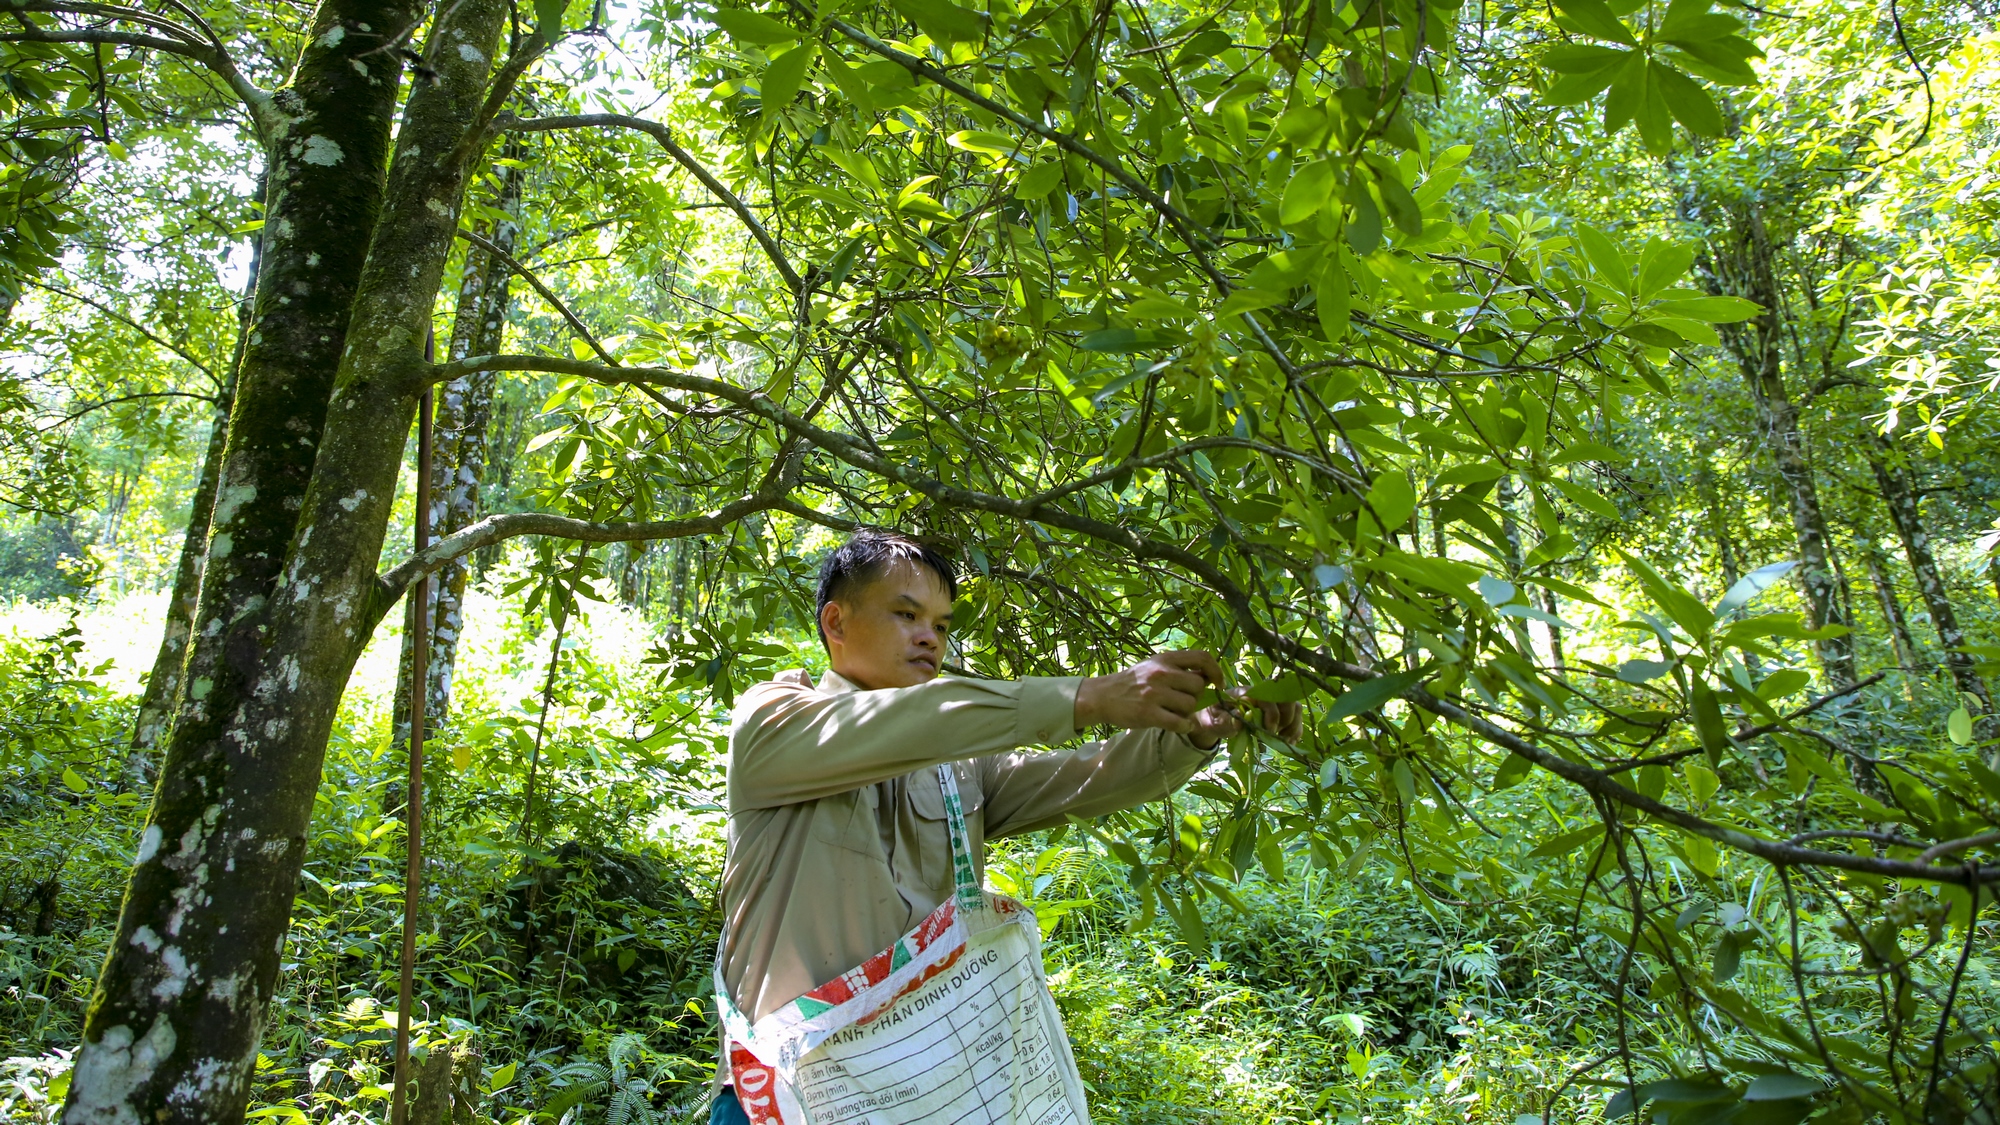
(285, 602)
(1744, 263)
(164, 685)
(1907, 653)
(464, 411)
(1899, 495)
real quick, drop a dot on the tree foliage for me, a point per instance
(1358, 343)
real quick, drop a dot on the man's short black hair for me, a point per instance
(867, 555)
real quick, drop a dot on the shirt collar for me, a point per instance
(833, 683)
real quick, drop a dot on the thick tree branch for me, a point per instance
(681, 156)
(773, 493)
(255, 98)
(575, 322)
(856, 454)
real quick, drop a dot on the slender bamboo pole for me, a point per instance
(399, 1105)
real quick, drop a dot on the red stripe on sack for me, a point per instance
(756, 1086)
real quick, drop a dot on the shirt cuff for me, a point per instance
(1179, 754)
(1046, 712)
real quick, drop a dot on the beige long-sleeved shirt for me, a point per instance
(837, 839)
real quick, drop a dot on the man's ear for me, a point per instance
(832, 623)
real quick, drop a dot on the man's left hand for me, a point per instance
(1285, 721)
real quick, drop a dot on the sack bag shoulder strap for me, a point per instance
(964, 873)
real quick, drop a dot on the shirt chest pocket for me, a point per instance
(933, 842)
(927, 796)
(850, 820)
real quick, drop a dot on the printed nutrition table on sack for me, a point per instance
(972, 1013)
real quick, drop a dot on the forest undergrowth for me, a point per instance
(563, 965)
(576, 964)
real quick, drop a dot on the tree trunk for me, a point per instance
(1907, 654)
(164, 685)
(173, 1027)
(1746, 265)
(464, 410)
(1742, 260)
(1899, 495)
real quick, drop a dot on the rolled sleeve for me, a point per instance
(1025, 791)
(790, 742)
(1047, 712)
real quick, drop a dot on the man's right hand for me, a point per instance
(1163, 690)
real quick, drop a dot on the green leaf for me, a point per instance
(783, 76)
(1406, 782)
(1701, 855)
(1641, 671)
(1684, 608)
(980, 140)
(1604, 257)
(74, 781)
(1653, 115)
(1285, 689)
(1370, 695)
(1692, 21)
(1511, 772)
(855, 165)
(1594, 503)
(1567, 842)
(741, 26)
(1958, 726)
(1403, 208)
(842, 263)
(1728, 956)
(1594, 17)
(1582, 58)
(549, 17)
(1783, 682)
(1690, 104)
(1708, 724)
(1628, 88)
(1246, 300)
(1039, 180)
(944, 21)
(1392, 500)
(1308, 191)
(1782, 1087)
(1725, 61)
(1333, 301)
(1701, 781)
(1711, 310)
(1580, 87)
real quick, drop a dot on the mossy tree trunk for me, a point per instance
(1899, 495)
(1744, 259)
(464, 411)
(290, 591)
(164, 684)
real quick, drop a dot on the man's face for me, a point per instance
(890, 632)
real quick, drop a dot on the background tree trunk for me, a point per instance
(1907, 653)
(195, 958)
(164, 685)
(1746, 267)
(1899, 495)
(464, 411)
(1743, 265)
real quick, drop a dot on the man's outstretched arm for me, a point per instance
(790, 743)
(1025, 791)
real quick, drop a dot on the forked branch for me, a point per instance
(681, 156)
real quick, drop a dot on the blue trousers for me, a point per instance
(726, 1110)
